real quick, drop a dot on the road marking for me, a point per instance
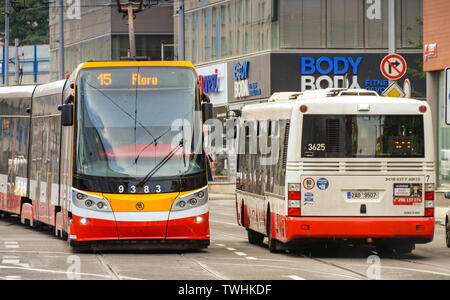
(251, 258)
(13, 277)
(295, 277)
(12, 260)
(240, 253)
(108, 268)
(220, 245)
(58, 272)
(11, 245)
(231, 249)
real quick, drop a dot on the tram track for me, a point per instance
(113, 274)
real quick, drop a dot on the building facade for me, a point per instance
(436, 60)
(95, 30)
(258, 47)
(34, 65)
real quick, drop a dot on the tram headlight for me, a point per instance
(192, 200)
(80, 196)
(101, 205)
(85, 200)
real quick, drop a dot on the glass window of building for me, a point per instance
(302, 23)
(443, 137)
(146, 46)
(409, 22)
(345, 23)
(376, 25)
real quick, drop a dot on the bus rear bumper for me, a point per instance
(417, 229)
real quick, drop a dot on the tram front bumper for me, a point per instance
(88, 226)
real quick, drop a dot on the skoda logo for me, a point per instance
(139, 206)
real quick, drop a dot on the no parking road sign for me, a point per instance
(393, 67)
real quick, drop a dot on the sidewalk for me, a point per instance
(440, 211)
(217, 196)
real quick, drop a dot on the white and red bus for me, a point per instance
(109, 156)
(345, 164)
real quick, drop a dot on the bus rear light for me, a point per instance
(294, 196)
(429, 203)
(423, 109)
(303, 108)
(294, 191)
(294, 212)
(429, 195)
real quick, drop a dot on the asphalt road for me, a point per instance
(36, 254)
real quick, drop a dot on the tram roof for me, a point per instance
(20, 91)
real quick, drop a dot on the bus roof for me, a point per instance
(351, 101)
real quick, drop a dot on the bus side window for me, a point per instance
(253, 155)
(283, 155)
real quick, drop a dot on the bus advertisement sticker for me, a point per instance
(309, 183)
(407, 193)
(323, 184)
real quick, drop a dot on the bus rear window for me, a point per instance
(341, 136)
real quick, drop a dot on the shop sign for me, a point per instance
(213, 81)
(242, 87)
(335, 72)
(310, 71)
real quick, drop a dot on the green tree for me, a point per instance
(28, 21)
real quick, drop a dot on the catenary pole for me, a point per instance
(392, 30)
(61, 39)
(181, 30)
(6, 62)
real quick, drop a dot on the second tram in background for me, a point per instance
(348, 164)
(120, 160)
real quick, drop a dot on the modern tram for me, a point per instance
(112, 156)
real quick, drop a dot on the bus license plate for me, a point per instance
(363, 195)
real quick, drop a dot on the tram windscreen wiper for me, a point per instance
(124, 111)
(155, 140)
(161, 164)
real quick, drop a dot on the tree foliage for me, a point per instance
(28, 21)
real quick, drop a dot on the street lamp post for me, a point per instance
(392, 30)
(130, 8)
(181, 38)
(61, 39)
(6, 61)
